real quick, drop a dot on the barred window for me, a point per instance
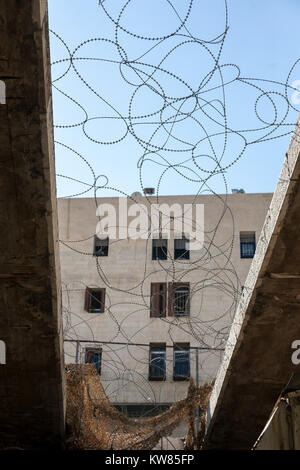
(181, 299)
(157, 362)
(172, 299)
(181, 361)
(101, 246)
(94, 301)
(159, 248)
(181, 248)
(247, 244)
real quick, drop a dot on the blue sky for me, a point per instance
(261, 40)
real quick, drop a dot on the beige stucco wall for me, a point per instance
(215, 273)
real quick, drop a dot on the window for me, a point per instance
(179, 296)
(157, 361)
(170, 298)
(159, 248)
(143, 410)
(181, 361)
(94, 356)
(94, 300)
(101, 246)
(158, 301)
(247, 242)
(181, 248)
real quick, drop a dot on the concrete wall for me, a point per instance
(216, 274)
(31, 381)
(283, 429)
(257, 363)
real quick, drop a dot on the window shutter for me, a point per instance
(170, 299)
(158, 302)
(154, 301)
(87, 299)
(163, 293)
(102, 306)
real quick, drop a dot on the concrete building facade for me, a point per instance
(149, 324)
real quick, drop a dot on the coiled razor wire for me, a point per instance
(172, 152)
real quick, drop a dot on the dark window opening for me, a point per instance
(94, 300)
(247, 244)
(181, 248)
(157, 362)
(101, 246)
(94, 356)
(159, 248)
(181, 361)
(143, 410)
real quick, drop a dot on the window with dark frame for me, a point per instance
(181, 248)
(159, 248)
(181, 361)
(172, 299)
(101, 246)
(181, 299)
(94, 300)
(94, 356)
(157, 361)
(247, 244)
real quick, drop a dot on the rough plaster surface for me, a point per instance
(257, 361)
(31, 383)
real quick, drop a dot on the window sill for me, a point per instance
(157, 379)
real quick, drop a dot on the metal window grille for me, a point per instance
(157, 364)
(181, 248)
(94, 300)
(181, 301)
(101, 246)
(159, 248)
(181, 364)
(247, 244)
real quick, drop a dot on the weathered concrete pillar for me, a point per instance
(31, 381)
(258, 364)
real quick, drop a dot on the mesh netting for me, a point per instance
(94, 423)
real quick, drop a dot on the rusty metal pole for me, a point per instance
(197, 384)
